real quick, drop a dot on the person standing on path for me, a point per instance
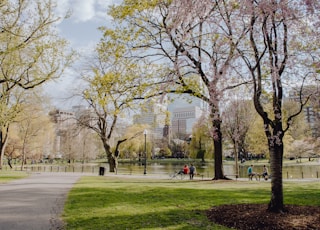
(250, 171)
(265, 172)
(192, 171)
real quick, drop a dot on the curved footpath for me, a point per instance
(35, 202)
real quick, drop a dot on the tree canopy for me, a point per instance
(213, 46)
(31, 53)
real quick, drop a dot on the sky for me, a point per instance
(86, 16)
(81, 31)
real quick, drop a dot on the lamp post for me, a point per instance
(145, 151)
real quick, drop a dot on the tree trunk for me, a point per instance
(9, 162)
(276, 154)
(218, 167)
(217, 141)
(275, 143)
(108, 152)
(3, 141)
(2, 147)
(23, 156)
(112, 163)
(23, 161)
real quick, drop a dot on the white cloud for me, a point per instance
(80, 29)
(61, 10)
(62, 7)
(85, 10)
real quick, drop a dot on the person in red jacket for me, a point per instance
(185, 169)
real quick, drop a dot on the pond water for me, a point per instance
(290, 171)
(296, 171)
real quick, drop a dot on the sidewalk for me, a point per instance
(36, 202)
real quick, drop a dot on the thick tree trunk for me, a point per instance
(218, 167)
(217, 141)
(110, 157)
(3, 141)
(276, 154)
(112, 163)
(275, 143)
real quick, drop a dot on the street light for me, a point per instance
(145, 151)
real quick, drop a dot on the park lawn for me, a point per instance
(131, 203)
(6, 176)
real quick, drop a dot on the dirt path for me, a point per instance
(35, 202)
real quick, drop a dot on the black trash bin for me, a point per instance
(101, 171)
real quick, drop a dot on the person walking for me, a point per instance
(192, 171)
(265, 172)
(250, 172)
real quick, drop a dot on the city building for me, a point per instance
(154, 114)
(185, 112)
(183, 120)
(63, 120)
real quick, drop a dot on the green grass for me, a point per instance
(129, 203)
(6, 176)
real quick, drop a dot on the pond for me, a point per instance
(290, 171)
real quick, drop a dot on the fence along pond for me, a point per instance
(206, 170)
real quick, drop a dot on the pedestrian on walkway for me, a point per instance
(192, 171)
(265, 172)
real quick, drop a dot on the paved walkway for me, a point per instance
(36, 202)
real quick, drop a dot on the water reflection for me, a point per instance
(207, 169)
(292, 171)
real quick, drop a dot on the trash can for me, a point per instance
(101, 171)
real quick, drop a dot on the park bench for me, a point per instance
(177, 174)
(258, 176)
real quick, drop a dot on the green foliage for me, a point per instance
(201, 141)
(129, 7)
(201, 154)
(129, 203)
(31, 54)
(256, 139)
(295, 140)
(299, 128)
(115, 84)
(132, 147)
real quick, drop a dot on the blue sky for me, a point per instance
(81, 30)
(86, 15)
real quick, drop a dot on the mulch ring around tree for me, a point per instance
(256, 216)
